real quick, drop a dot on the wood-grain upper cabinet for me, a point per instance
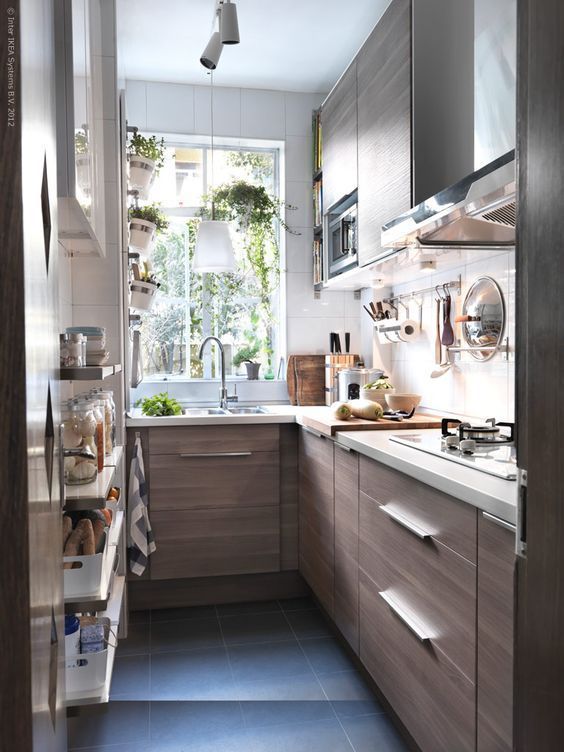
(339, 121)
(316, 515)
(496, 564)
(346, 544)
(384, 127)
(215, 500)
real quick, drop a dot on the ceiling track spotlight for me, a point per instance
(226, 31)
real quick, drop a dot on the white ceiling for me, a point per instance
(292, 45)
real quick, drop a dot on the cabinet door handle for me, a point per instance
(217, 454)
(417, 629)
(413, 527)
(345, 448)
(499, 521)
(307, 429)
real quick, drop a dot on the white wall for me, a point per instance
(271, 115)
(470, 388)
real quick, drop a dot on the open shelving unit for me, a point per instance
(91, 495)
(88, 373)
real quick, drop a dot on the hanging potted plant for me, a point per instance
(145, 157)
(143, 289)
(247, 356)
(82, 161)
(144, 224)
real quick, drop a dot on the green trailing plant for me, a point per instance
(80, 142)
(151, 213)
(159, 405)
(150, 148)
(246, 355)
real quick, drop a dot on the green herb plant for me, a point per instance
(246, 355)
(150, 148)
(151, 213)
(80, 142)
(159, 405)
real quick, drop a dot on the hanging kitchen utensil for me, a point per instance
(447, 337)
(369, 312)
(483, 318)
(379, 311)
(438, 348)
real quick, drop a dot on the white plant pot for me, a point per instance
(142, 234)
(83, 179)
(141, 174)
(142, 295)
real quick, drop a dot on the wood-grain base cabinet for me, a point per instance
(496, 571)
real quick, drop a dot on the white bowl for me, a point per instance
(376, 395)
(403, 401)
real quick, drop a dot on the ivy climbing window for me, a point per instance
(243, 309)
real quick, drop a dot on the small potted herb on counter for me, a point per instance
(146, 157)
(144, 224)
(159, 405)
(247, 356)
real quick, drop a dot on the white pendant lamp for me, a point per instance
(214, 246)
(228, 23)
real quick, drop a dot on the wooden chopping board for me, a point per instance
(320, 419)
(306, 379)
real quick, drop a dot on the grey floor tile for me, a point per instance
(185, 634)
(259, 713)
(326, 655)
(140, 617)
(297, 604)
(189, 612)
(192, 675)
(233, 741)
(373, 733)
(133, 747)
(265, 660)
(316, 736)
(114, 723)
(300, 687)
(193, 724)
(308, 624)
(252, 607)
(137, 642)
(131, 678)
(239, 629)
(350, 694)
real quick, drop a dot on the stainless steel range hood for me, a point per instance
(478, 211)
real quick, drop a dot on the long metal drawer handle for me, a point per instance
(417, 630)
(217, 454)
(499, 521)
(307, 429)
(407, 524)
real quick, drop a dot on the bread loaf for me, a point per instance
(99, 528)
(87, 537)
(67, 529)
(72, 546)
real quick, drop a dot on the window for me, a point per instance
(242, 309)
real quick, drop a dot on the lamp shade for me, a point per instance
(212, 53)
(214, 248)
(228, 24)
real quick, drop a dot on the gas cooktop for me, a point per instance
(495, 459)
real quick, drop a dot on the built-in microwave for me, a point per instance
(341, 235)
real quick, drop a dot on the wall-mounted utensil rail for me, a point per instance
(455, 285)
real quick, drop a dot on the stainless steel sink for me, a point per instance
(202, 412)
(247, 410)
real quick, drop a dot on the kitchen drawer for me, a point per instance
(451, 522)
(209, 542)
(221, 438)
(437, 583)
(434, 700)
(316, 556)
(181, 481)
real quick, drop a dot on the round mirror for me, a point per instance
(483, 316)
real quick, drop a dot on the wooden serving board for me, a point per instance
(320, 419)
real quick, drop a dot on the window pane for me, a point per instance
(181, 181)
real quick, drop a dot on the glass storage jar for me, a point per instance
(110, 416)
(79, 438)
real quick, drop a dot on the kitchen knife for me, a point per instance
(347, 342)
(337, 342)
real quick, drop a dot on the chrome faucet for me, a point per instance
(224, 397)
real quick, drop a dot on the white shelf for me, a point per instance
(88, 373)
(113, 459)
(90, 495)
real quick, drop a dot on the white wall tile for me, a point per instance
(298, 158)
(262, 114)
(136, 103)
(298, 195)
(226, 111)
(299, 251)
(109, 93)
(299, 108)
(110, 151)
(97, 281)
(170, 108)
(352, 325)
(300, 300)
(310, 336)
(108, 27)
(113, 229)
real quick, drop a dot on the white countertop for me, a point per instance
(494, 495)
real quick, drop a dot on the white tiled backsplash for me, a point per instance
(471, 388)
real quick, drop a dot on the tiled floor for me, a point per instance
(254, 677)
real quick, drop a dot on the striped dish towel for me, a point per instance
(140, 538)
